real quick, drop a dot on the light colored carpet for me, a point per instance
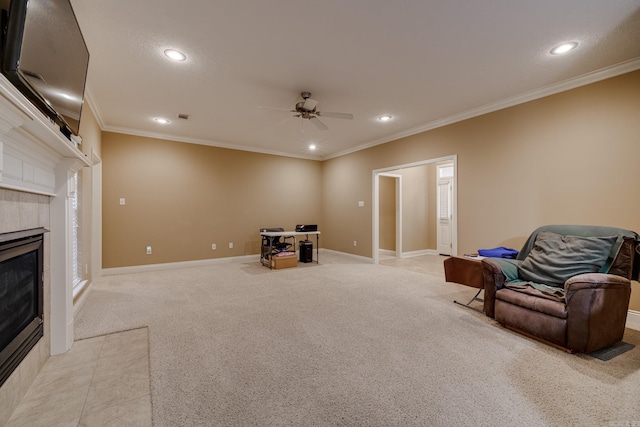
(347, 343)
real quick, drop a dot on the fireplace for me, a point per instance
(21, 296)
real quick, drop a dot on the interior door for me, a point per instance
(445, 216)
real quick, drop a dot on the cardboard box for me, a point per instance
(287, 261)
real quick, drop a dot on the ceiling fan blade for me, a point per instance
(337, 115)
(276, 109)
(310, 104)
(316, 121)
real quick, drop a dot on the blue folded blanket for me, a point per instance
(500, 252)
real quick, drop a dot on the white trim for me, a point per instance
(419, 253)
(583, 80)
(198, 141)
(85, 294)
(387, 252)
(375, 211)
(633, 320)
(358, 257)
(26, 190)
(398, 182)
(448, 181)
(97, 113)
(181, 264)
(96, 215)
(114, 271)
(79, 286)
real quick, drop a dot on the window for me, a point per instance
(445, 172)
(76, 235)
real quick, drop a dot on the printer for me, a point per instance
(304, 228)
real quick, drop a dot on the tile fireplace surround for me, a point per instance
(36, 163)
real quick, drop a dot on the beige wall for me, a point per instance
(91, 143)
(419, 205)
(418, 208)
(180, 198)
(567, 158)
(387, 213)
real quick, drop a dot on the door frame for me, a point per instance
(398, 182)
(375, 232)
(439, 201)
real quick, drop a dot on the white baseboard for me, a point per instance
(358, 257)
(171, 265)
(83, 297)
(633, 320)
(633, 317)
(419, 253)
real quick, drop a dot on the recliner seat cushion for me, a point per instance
(531, 302)
(555, 258)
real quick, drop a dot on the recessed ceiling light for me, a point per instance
(176, 55)
(312, 147)
(161, 120)
(564, 48)
(384, 118)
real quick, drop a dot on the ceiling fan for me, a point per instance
(307, 109)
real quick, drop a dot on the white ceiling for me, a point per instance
(426, 62)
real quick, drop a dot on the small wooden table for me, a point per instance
(466, 271)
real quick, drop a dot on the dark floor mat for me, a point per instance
(613, 351)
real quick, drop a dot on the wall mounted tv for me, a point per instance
(44, 55)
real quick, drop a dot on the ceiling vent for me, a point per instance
(183, 116)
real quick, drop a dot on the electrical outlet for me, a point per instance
(230, 245)
(121, 201)
(213, 246)
(360, 205)
(148, 250)
(355, 243)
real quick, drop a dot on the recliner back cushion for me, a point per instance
(556, 258)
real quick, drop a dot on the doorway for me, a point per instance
(430, 186)
(390, 214)
(445, 173)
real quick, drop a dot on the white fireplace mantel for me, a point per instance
(31, 144)
(35, 157)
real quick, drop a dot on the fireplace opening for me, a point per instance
(21, 296)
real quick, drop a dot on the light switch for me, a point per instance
(361, 204)
(121, 201)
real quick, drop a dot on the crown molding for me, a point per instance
(167, 137)
(563, 86)
(95, 109)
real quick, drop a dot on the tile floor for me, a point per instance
(101, 381)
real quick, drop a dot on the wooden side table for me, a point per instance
(466, 271)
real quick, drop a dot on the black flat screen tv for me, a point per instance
(45, 57)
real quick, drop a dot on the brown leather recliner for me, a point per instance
(587, 313)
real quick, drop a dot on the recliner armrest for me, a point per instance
(494, 279)
(593, 281)
(597, 304)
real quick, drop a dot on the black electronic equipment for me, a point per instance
(44, 55)
(306, 251)
(303, 228)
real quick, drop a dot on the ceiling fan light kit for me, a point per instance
(306, 109)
